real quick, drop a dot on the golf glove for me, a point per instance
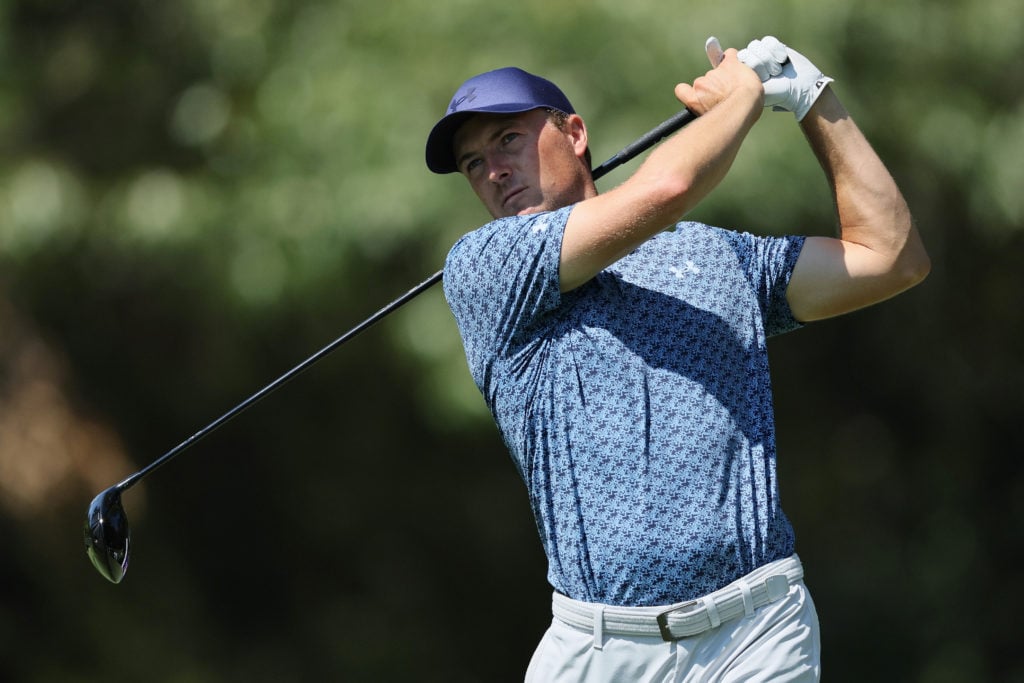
(791, 82)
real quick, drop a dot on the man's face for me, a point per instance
(519, 164)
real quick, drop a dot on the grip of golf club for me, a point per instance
(641, 144)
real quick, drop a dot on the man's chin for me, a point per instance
(522, 205)
(538, 207)
(508, 211)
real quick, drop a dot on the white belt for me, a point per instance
(685, 619)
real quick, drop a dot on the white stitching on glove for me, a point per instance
(791, 82)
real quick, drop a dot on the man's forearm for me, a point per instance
(870, 208)
(878, 253)
(671, 181)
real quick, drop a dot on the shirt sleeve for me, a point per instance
(770, 266)
(501, 280)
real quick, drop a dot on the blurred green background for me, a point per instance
(196, 195)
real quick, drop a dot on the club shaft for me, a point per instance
(280, 381)
(642, 144)
(639, 146)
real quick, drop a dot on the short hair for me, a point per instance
(559, 118)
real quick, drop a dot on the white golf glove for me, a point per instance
(791, 82)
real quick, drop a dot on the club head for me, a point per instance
(107, 535)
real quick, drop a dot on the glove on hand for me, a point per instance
(791, 82)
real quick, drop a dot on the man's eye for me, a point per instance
(508, 137)
(472, 164)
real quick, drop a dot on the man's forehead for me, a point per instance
(485, 124)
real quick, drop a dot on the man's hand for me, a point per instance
(676, 176)
(728, 78)
(791, 82)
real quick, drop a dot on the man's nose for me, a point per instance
(498, 168)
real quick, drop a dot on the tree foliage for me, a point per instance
(196, 195)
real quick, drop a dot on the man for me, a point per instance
(625, 364)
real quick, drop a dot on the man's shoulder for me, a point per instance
(709, 238)
(509, 229)
(697, 228)
(697, 240)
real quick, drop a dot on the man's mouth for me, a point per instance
(512, 195)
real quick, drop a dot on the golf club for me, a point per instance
(107, 534)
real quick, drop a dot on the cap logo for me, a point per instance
(468, 97)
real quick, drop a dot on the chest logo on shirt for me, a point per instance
(680, 273)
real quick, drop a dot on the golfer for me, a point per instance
(622, 354)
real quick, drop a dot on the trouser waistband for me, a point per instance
(685, 619)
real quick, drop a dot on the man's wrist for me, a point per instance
(826, 107)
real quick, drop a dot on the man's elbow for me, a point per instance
(914, 273)
(914, 264)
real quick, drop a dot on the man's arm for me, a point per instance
(878, 252)
(673, 179)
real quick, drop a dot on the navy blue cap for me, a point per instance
(502, 91)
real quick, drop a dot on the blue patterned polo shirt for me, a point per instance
(637, 407)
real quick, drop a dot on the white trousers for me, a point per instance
(780, 642)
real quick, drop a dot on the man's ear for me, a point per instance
(577, 131)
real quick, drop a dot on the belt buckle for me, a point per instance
(662, 619)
